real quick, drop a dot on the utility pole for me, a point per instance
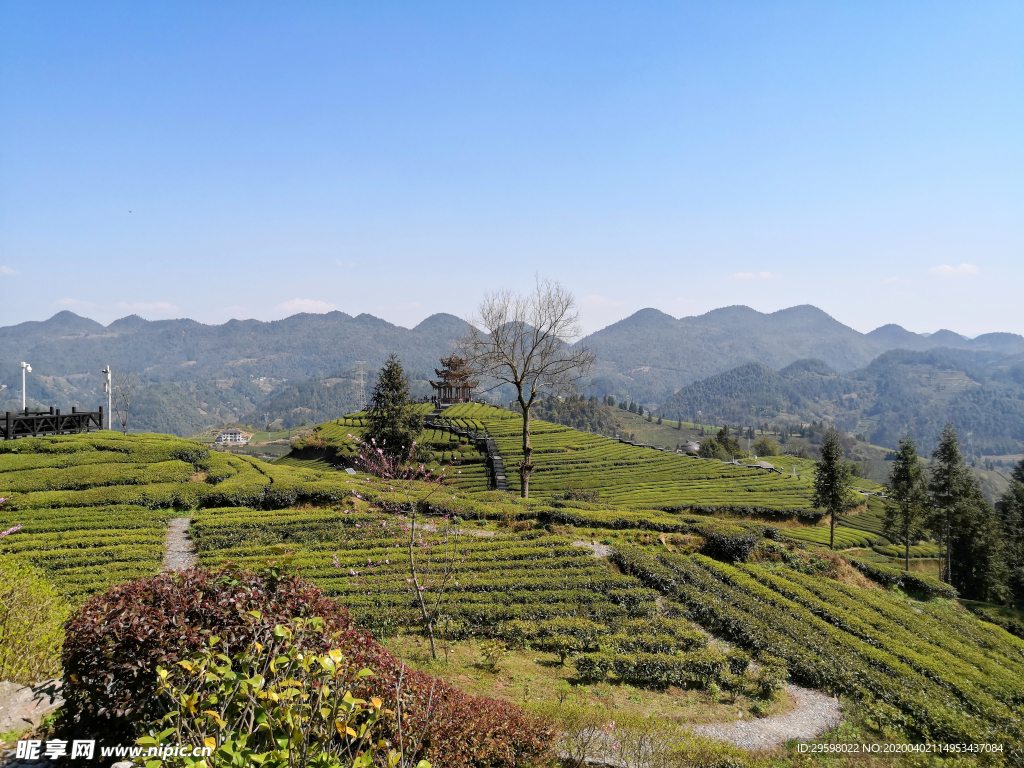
(25, 368)
(361, 373)
(108, 389)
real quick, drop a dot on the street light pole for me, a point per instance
(25, 368)
(107, 388)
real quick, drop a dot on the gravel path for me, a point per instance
(814, 713)
(598, 550)
(179, 554)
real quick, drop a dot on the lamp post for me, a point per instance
(107, 388)
(25, 368)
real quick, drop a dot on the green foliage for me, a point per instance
(32, 616)
(710, 448)
(765, 446)
(965, 525)
(832, 480)
(1010, 511)
(654, 669)
(274, 705)
(771, 676)
(1010, 619)
(492, 652)
(392, 422)
(918, 583)
(738, 661)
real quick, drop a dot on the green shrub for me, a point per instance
(492, 652)
(887, 576)
(276, 706)
(771, 677)
(738, 661)
(31, 625)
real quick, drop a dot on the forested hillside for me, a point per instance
(304, 368)
(650, 355)
(901, 391)
(195, 375)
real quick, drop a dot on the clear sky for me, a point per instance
(219, 160)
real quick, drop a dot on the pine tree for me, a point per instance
(393, 423)
(832, 481)
(966, 525)
(906, 505)
(946, 490)
(1010, 510)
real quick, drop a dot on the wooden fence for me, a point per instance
(53, 422)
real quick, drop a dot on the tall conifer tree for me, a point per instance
(946, 489)
(393, 423)
(1011, 522)
(832, 481)
(906, 506)
(965, 524)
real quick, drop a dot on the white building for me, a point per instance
(232, 437)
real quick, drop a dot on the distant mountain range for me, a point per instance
(899, 392)
(197, 375)
(303, 367)
(650, 355)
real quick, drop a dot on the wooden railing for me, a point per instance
(52, 422)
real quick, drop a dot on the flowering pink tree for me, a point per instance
(433, 569)
(9, 531)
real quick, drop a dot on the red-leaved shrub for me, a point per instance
(116, 640)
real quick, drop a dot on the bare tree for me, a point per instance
(125, 385)
(527, 341)
(431, 571)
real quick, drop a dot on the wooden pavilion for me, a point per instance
(454, 384)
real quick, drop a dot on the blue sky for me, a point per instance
(256, 159)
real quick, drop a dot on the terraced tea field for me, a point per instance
(362, 556)
(924, 666)
(93, 509)
(629, 476)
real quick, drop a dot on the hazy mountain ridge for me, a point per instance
(650, 355)
(198, 374)
(900, 391)
(304, 366)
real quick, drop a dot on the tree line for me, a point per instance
(981, 546)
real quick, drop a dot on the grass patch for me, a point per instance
(534, 678)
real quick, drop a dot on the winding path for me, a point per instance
(179, 554)
(813, 714)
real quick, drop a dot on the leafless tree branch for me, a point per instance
(125, 385)
(527, 341)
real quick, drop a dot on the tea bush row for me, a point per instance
(937, 704)
(85, 550)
